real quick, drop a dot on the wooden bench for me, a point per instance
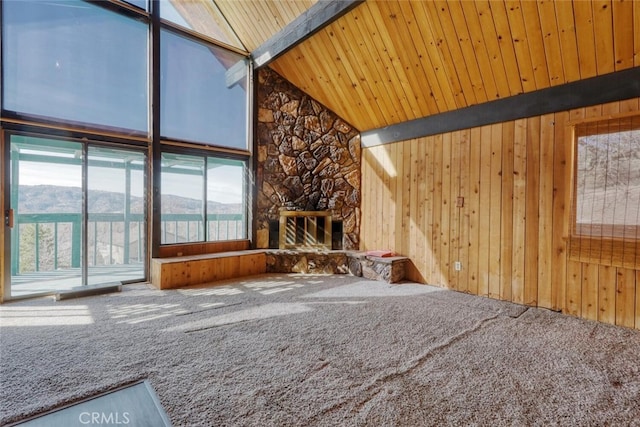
(177, 272)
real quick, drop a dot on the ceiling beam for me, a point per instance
(318, 16)
(611, 87)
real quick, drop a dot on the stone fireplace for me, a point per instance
(308, 160)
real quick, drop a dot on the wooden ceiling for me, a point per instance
(255, 21)
(387, 62)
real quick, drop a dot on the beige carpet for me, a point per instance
(281, 350)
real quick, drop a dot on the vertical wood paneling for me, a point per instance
(463, 282)
(507, 228)
(589, 291)
(388, 206)
(428, 267)
(607, 294)
(519, 210)
(510, 236)
(446, 216)
(532, 236)
(484, 210)
(562, 148)
(574, 288)
(423, 247)
(436, 248)
(395, 226)
(545, 212)
(413, 229)
(407, 188)
(474, 211)
(495, 212)
(454, 192)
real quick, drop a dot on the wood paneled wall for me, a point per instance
(497, 199)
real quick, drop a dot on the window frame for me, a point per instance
(123, 9)
(172, 29)
(205, 153)
(606, 248)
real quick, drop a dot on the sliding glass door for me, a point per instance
(78, 215)
(46, 198)
(116, 227)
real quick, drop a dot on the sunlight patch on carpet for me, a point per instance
(254, 313)
(45, 316)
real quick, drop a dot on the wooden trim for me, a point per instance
(51, 128)
(611, 87)
(202, 248)
(184, 147)
(603, 118)
(304, 26)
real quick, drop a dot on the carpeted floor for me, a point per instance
(287, 350)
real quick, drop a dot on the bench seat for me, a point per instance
(177, 272)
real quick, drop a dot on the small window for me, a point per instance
(606, 203)
(195, 187)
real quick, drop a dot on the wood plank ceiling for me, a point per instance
(387, 62)
(255, 21)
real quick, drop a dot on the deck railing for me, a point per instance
(47, 241)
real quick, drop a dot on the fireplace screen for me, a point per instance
(305, 230)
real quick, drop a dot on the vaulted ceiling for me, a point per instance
(386, 62)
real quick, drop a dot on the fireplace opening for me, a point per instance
(274, 233)
(305, 230)
(336, 235)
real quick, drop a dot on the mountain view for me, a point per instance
(57, 199)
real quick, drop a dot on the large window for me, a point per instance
(606, 205)
(76, 114)
(186, 204)
(196, 103)
(76, 62)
